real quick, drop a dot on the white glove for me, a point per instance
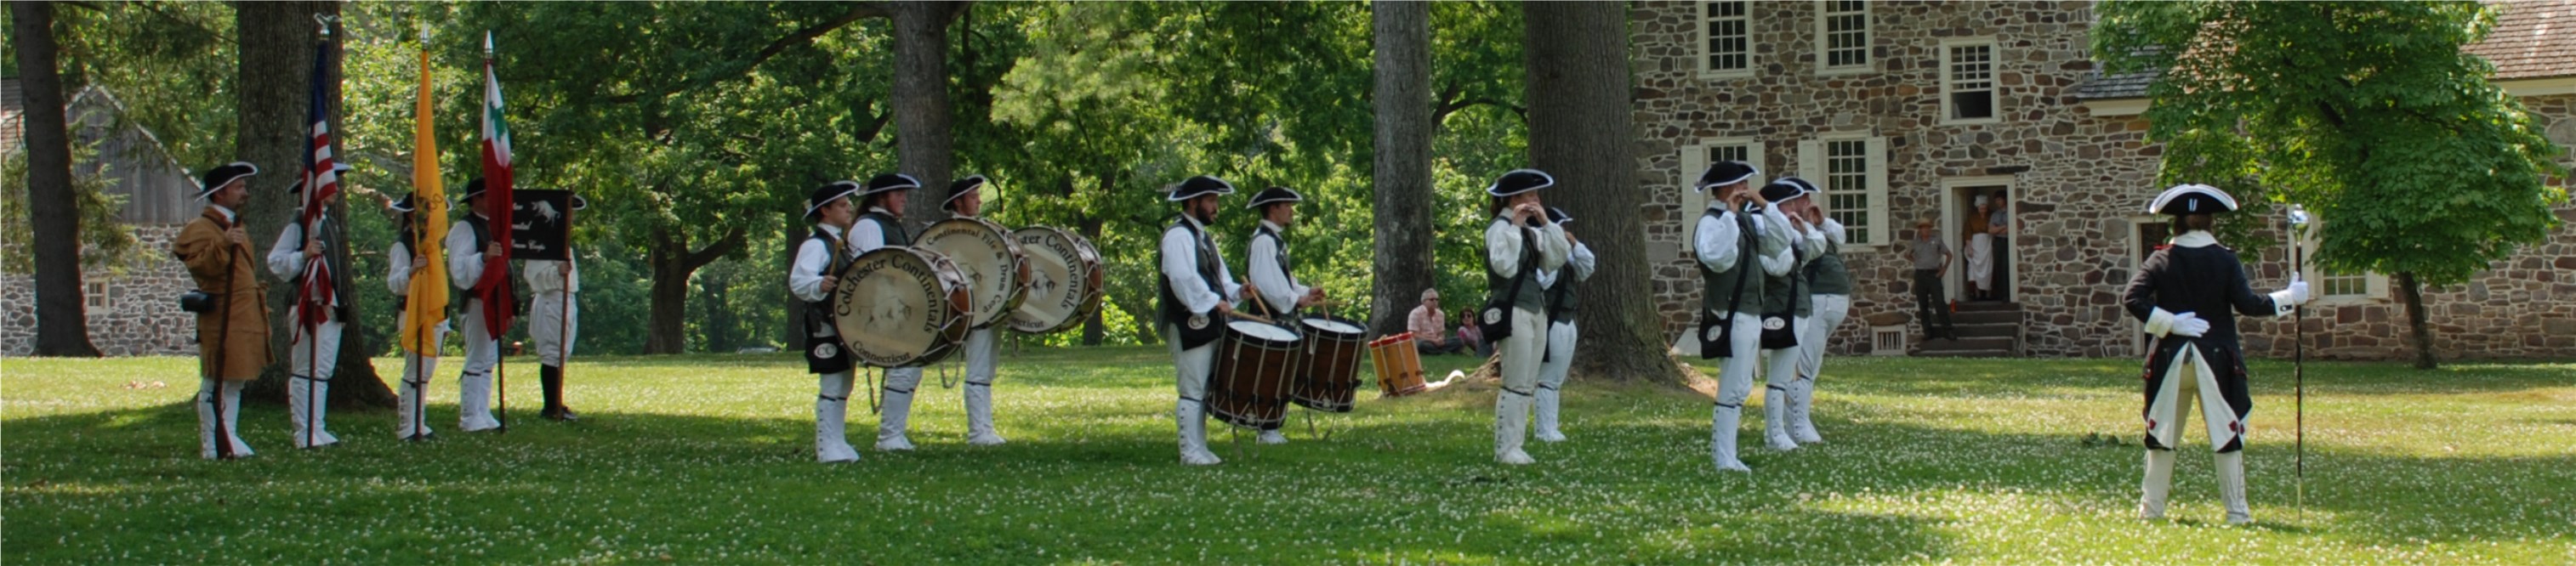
(2189, 325)
(2297, 294)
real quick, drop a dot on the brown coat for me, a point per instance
(233, 343)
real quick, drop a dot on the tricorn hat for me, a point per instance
(1519, 181)
(1195, 186)
(225, 174)
(964, 186)
(1725, 173)
(825, 194)
(2192, 199)
(890, 182)
(1274, 194)
(1558, 216)
(1781, 191)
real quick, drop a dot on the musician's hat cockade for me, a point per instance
(1725, 173)
(824, 195)
(2192, 199)
(1274, 194)
(225, 174)
(1195, 186)
(1520, 181)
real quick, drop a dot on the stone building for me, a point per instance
(133, 307)
(1908, 111)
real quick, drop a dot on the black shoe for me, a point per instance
(559, 414)
(422, 437)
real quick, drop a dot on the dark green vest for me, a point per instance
(1169, 303)
(1827, 275)
(1718, 288)
(894, 234)
(1529, 296)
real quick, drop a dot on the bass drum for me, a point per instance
(1064, 285)
(990, 260)
(901, 307)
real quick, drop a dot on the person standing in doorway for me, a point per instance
(1931, 263)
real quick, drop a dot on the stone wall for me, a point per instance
(141, 314)
(2079, 181)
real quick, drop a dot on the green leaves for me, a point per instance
(2367, 112)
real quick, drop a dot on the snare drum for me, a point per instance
(1064, 283)
(1331, 369)
(1399, 366)
(1255, 367)
(989, 258)
(901, 307)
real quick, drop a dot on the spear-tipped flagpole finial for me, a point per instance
(487, 44)
(323, 22)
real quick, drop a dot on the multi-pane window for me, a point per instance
(1730, 152)
(96, 294)
(1846, 34)
(1968, 79)
(1847, 187)
(2338, 284)
(1729, 38)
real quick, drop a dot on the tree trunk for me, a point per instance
(62, 323)
(2413, 293)
(1402, 36)
(1578, 94)
(923, 142)
(276, 42)
(672, 263)
(1095, 330)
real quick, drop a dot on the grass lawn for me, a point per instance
(709, 459)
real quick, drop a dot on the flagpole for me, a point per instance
(500, 363)
(2299, 367)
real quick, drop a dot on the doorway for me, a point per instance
(1964, 213)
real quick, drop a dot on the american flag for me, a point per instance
(316, 293)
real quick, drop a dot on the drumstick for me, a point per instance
(1262, 319)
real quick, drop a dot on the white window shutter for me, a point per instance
(1879, 230)
(1753, 154)
(1811, 161)
(2378, 285)
(1694, 161)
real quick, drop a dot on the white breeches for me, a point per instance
(1735, 374)
(1190, 367)
(1521, 351)
(1780, 366)
(1560, 355)
(482, 350)
(983, 356)
(554, 323)
(2188, 377)
(1829, 313)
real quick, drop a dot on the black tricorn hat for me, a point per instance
(1195, 186)
(825, 194)
(1558, 216)
(963, 186)
(1274, 194)
(225, 174)
(1519, 181)
(1780, 191)
(890, 182)
(407, 203)
(2192, 199)
(473, 188)
(1725, 173)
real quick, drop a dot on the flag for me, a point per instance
(497, 300)
(425, 303)
(316, 293)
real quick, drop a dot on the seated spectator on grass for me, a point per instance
(1430, 328)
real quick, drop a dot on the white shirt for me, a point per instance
(286, 259)
(1503, 245)
(1277, 285)
(805, 277)
(1181, 270)
(550, 276)
(1776, 232)
(398, 265)
(1581, 260)
(230, 217)
(1834, 231)
(867, 234)
(464, 259)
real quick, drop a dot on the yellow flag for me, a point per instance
(425, 304)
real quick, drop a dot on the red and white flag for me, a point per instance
(497, 202)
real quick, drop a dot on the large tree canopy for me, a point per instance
(2366, 112)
